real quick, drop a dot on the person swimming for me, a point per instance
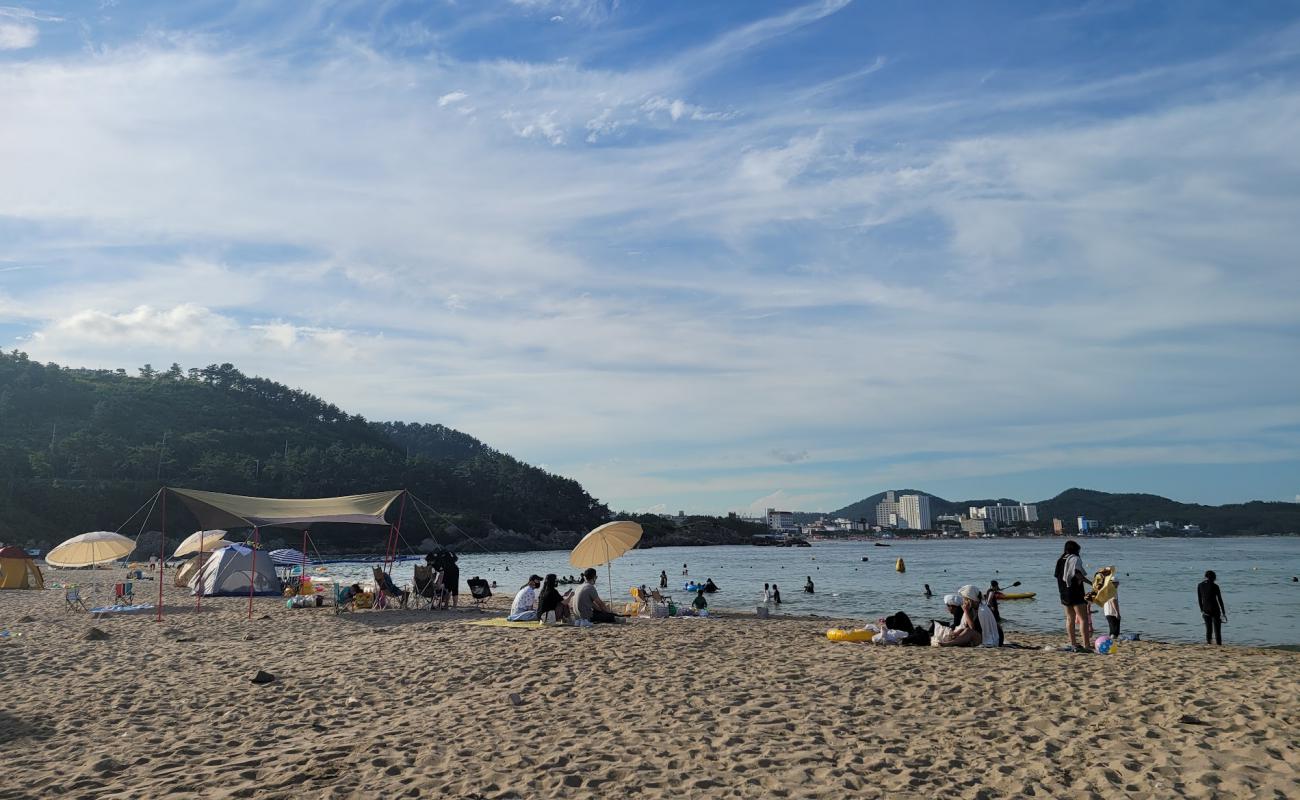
(928, 593)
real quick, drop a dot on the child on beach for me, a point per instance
(767, 595)
(1111, 609)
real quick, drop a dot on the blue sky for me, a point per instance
(701, 256)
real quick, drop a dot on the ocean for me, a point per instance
(1158, 579)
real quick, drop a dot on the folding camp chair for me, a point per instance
(72, 599)
(479, 591)
(123, 594)
(343, 601)
(428, 587)
(386, 589)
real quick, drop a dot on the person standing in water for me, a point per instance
(767, 594)
(1210, 599)
(928, 593)
(684, 570)
(808, 587)
(776, 594)
(663, 579)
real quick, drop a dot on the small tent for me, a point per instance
(231, 570)
(18, 570)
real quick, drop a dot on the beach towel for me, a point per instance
(502, 622)
(121, 609)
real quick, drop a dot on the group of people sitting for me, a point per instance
(539, 599)
(974, 622)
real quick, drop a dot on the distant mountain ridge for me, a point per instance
(1256, 517)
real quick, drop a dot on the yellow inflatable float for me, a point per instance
(900, 566)
(840, 635)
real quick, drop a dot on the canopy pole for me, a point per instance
(302, 574)
(162, 554)
(609, 572)
(198, 598)
(252, 584)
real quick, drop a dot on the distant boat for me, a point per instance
(880, 544)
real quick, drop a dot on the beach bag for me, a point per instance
(942, 635)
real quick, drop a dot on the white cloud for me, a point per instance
(18, 36)
(450, 98)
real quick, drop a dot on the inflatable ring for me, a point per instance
(840, 635)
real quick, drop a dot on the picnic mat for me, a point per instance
(502, 622)
(121, 609)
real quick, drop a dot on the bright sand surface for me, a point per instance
(417, 704)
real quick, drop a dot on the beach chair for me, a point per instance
(479, 591)
(73, 599)
(640, 603)
(387, 589)
(428, 587)
(123, 594)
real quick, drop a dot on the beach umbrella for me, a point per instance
(201, 541)
(604, 544)
(89, 549)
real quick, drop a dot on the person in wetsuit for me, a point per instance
(1210, 599)
(808, 587)
(710, 586)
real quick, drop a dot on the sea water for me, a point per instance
(1157, 579)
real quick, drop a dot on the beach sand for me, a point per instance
(417, 704)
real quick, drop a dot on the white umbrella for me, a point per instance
(604, 544)
(89, 549)
(205, 541)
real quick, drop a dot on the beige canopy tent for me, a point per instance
(216, 510)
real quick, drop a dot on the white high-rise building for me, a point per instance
(1005, 515)
(887, 511)
(780, 520)
(914, 512)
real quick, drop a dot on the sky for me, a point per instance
(699, 256)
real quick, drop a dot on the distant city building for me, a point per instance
(781, 520)
(1005, 515)
(914, 510)
(974, 525)
(1058, 526)
(1086, 524)
(887, 511)
(907, 511)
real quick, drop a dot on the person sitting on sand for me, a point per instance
(808, 585)
(550, 600)
(699, 603)
(524, 607)
(710, 586)
(587, 603)
(964, 634)
(953, 603)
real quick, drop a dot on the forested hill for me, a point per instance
(81, 449)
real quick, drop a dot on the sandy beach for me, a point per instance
(417, 704)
